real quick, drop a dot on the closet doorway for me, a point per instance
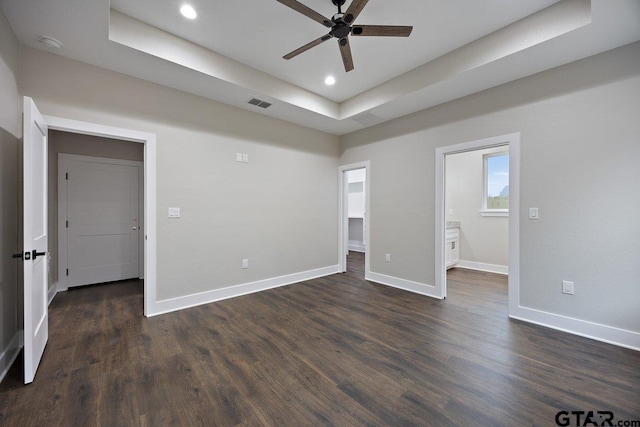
(354, 218)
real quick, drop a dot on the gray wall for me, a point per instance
(85, 145)
(287, 193)
(9, 154)
(483, 239)
(579, 165)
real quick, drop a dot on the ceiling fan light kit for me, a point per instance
(341, 28)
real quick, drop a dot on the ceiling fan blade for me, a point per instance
(345, 51)
(308, 46)
(381, 30)
(299, 7)
(354, 10)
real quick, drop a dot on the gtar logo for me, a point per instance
(584, 418)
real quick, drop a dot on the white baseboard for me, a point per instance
(179, 303)
(583, 328)
(356, 247)
(9, 354)
(53, 290)
(407, 285)
(481, 266)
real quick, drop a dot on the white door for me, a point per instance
(102, 201)
(36, 319)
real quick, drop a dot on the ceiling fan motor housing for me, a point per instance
(340, 30)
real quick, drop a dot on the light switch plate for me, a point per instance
(568, 287)
(533, 213)
(245, 158)
(174, 212)
(238, 157)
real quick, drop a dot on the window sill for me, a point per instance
(494, 213)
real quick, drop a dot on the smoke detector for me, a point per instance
(50, 42)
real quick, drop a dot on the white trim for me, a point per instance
(343, 217)
(513, 141)
(583, 328)
(481, 266)
(405, 285)
(187, 301)
(149, 141)
(355, 247)
(494, 213)
(51, 293)
(10, 354)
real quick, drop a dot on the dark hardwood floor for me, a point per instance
(331, 351)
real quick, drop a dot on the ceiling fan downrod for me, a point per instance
(338, 3)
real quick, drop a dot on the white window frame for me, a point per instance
(485, 187)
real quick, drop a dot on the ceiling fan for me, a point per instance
(341, 26)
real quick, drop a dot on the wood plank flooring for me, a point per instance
(331, 351)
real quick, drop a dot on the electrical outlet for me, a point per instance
(387, 257)
(567, 287)
(245, 263)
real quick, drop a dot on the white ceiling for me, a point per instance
(233, 50)
(259, 32)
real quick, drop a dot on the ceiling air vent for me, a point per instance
(259, 103)
(368, 119)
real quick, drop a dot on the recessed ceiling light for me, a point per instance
(50, 42)
(330, 80)
(188, 12)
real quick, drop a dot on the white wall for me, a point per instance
(579, 165)
(483, 239)
(9, 181)
(10, 110)
(267, 210)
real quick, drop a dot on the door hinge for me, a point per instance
(67, 223)
(67, 271)
(66, 176)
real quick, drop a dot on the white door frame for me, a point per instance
(63, 158)
(513, 141)
(149, 141)
(343, 215)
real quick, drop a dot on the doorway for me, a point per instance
(148, 141)
(356, 214)
(448, 238)
(354, 243)
(477, 210)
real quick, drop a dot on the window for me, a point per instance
(495, 199)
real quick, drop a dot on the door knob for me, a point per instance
(26, 256)
(36, 254)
